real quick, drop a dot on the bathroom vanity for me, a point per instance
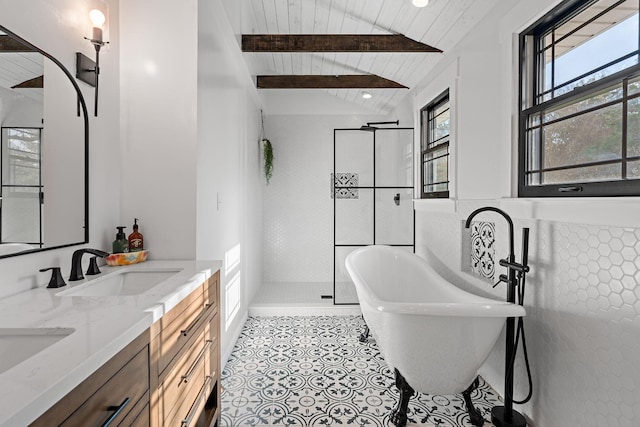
(108, 365)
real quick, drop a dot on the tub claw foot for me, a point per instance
(399, 414)
(364, 335)
(474, 415)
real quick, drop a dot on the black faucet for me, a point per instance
(506, 415)
(76, 261)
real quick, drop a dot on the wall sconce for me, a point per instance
(86, 69)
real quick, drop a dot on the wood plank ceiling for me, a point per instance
(441, 24)
(21, 69)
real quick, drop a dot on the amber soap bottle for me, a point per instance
(136, 242)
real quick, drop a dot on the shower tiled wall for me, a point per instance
(298, 209)
(583, 314)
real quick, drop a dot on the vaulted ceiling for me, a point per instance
(441, 24)
(21, 69)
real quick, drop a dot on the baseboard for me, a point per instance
(304, 310)
(226, 353)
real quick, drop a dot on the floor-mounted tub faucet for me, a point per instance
(76, 261)
(505, 416)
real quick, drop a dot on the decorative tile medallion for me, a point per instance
(483, 249)
(313, 371)
(343, 180)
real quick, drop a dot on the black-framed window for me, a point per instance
(580, 101)
(435, 121)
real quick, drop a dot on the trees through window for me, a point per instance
(580, 101)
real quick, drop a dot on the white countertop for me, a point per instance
(102, 327)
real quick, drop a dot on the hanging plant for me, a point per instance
(267, 151)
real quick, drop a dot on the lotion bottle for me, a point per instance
(136, 242)
(121, 244)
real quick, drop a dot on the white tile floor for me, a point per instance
(309, 371)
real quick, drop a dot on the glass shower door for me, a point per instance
(372, 188)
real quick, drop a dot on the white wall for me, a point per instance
(159, 55)
(229, 187)
(190, 123)
(58, 27)
(583, 308)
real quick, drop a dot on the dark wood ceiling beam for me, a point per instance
(332, 43)
(8, 44)
(34, 83)
(355, 81)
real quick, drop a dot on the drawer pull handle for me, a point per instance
(196, 405)
(185, 332)
(186, 377)
(116, 411)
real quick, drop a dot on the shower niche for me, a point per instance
(372, 190)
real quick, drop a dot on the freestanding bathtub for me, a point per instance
(430, 332)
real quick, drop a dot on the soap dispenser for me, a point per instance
(121, 244)
(136, 242)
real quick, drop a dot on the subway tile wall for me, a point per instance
(583, 314)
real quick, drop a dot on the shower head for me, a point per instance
(370, 128)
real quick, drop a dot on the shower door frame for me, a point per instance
(373, 188)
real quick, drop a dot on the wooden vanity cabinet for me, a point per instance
(185, 359)
(168, 376)
(116, 394)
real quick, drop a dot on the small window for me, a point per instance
(580, 101)
(436, 128)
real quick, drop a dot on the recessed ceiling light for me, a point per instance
(420, 3)
(366, 95)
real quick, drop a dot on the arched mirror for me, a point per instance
(44, 151)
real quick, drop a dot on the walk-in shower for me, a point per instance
(372, 190)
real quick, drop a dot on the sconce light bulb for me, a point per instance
(97, 18)
(420, 3)
(366, 95)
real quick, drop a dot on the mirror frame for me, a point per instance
(82, 105)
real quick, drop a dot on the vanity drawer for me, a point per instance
(178, 326)
(198, 364)
(122, 382)
(189, 369)
(117, 397)
(190, 411)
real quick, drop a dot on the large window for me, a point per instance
(436, 128)
(580, 101)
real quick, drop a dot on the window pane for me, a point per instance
(585, 103)
(440, 108)
(633, 127)
(436, 187)
(441, 125)
(533, 150)
(437, 170)
(590, 137)
(609, 37)
(580, 175)
(634, 86)
(633, 169)
(21, 151)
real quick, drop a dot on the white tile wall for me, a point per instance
(298, 209)
(583, 315)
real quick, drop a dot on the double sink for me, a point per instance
(19, 344)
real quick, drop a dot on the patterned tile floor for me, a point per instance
(309, 371)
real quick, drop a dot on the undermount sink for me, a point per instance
(19, 344)
(122, 283)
